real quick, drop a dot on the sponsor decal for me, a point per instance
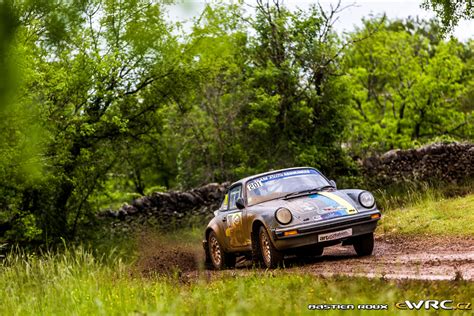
(339, 200)
(234, 230)
(333, 209)
(334, 205)
(335, 235)
(333, 214)
(226, 200)
(306, 205)
(325, 200)
(352, 211)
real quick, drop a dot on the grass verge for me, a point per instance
(77, 283)
(84, 282)
(432, 216)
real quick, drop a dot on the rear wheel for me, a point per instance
(219, 258)
(364, 244)
(271, 257)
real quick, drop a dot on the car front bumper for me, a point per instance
(307, 234)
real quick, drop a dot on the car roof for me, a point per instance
(242, 181)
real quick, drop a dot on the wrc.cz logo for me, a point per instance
(434, 304)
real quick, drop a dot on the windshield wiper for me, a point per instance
(324, 187)
(307, 191)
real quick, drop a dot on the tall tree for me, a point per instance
(408, 86)
(271, 94)
(300, 97)
(96, 88)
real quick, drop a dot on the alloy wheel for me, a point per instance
(215, 251)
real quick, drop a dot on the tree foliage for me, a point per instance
(93, 89)
(450, 12)
(101, 98)
(409, 86)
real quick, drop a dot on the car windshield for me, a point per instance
(279, 184)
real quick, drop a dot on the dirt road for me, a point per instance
(398, 258)
(424, 258)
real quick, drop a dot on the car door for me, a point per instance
(233, 221)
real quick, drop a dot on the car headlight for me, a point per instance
(366, 199)
(283, 216)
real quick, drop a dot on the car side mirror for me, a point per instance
(240, 203)
(333, 183)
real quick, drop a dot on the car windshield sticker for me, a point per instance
(259, 182)
(255, 185)
(226, 201)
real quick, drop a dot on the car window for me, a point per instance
(234, 194)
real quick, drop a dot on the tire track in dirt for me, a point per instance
(420, 257)
(430, 258)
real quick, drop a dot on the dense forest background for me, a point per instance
(104, 100)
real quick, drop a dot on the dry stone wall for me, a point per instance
(448, 163)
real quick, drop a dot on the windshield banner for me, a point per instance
(259, 182)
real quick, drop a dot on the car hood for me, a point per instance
(315, 207)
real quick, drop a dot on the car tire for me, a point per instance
(256, 254)
(364, 244)
(271, 257)
(218, 257)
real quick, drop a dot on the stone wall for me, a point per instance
(448, 163)
(173, 207)
(442, 162)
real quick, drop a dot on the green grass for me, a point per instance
(432, 216)
(77, 283)
(98, 281)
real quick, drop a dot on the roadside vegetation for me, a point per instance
(431, 214)
(102, 101)
(113, 277)
(76, 282)
(105, 100)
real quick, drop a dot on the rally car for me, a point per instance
(288, 211)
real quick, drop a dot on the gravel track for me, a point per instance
(420, 258)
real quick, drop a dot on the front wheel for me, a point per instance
(364, 244)
(270, 255)
(219, 258)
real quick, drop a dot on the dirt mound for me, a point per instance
(162, 257)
